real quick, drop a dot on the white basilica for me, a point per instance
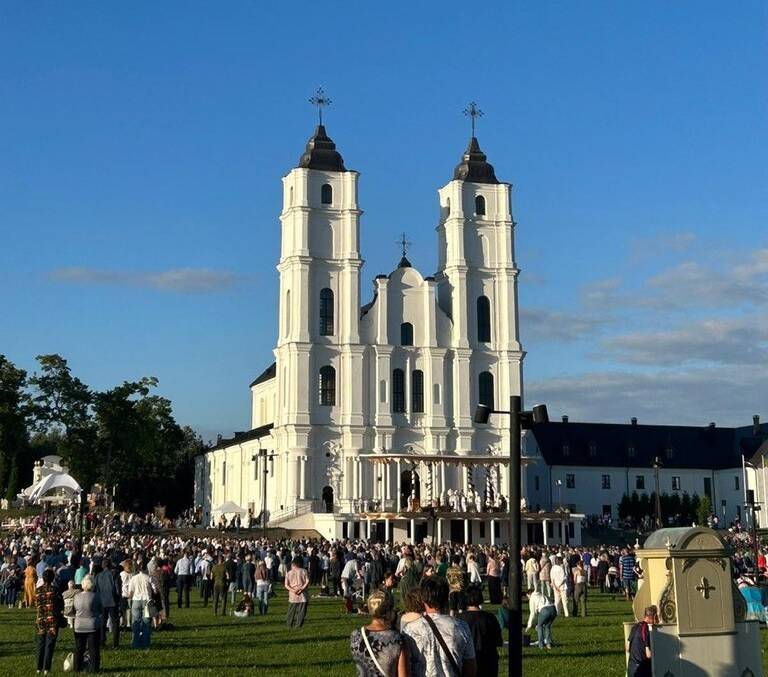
(363, 426)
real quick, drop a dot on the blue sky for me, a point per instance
(143, 144)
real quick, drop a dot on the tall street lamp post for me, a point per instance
(266, 455)
(656, 466)
(518, 420)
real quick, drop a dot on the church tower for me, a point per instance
(318, 356)
(477, 284)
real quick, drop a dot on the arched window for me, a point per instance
(290, 196)
(398, 391)
(483, 319)
(406, 334)
(288, 312)
(480, 206)
(417, 392)
(485, 389)
(327, 386)
(326, 312)
(326, 194)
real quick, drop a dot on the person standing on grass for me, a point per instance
(140, 594)
(627, 570)
(106, 589)
(219, 577)
(377, 649)
(545, 568)
(559, 579)
(87, 627)
(639, 644)
(579, 590)
(486, 633)
(531, 571)
(457, 581)
(441, 646)
(296, 583)
(184, 570)
(50, 606)
(262, 587)
(492, 578)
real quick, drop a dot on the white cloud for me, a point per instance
(178, 280)
(659, 244)
(727, 395)
(539, 325)
(742, 340)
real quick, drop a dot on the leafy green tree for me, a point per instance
(645, 505)
(625, 507)
(61, 406)
(15, 460)
(686, 513)
(704, 510)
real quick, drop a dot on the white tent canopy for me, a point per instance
(229, 507)
(52, 482)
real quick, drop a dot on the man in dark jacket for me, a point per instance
(639, 644)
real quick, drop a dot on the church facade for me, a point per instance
(365, 416)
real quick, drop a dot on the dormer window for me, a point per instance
(592, 449)
(326, 194)
(479, 206)
(630, 451)
(669, 451)
(566, 449)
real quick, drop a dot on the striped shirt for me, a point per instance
(627, 563)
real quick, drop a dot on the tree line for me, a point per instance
(125, 437)
(683, 509)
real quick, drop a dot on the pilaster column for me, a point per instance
(386, 530)
(302, 477)
(493, 532)
(439, 530)
(413, 531)
(399, 487)
(466, 531)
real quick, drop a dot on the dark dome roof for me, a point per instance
(474, 166)
(321, 153)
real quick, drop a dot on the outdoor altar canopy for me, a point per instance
(702, 631)
(473, 510)
(51, 483)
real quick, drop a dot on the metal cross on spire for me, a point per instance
(472, 111)
(320, 99)
(404, 243)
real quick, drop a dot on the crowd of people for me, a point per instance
(123, 576)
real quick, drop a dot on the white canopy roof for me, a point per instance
(51, 482)
(229, 507)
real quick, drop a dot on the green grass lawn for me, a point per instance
(203, 644)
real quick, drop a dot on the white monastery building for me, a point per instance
(363, 423)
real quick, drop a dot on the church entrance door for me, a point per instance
(328, 498)
(406, 486)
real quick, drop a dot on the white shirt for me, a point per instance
(558, 577)
(140, 588)
(350, 569)
(536, 602)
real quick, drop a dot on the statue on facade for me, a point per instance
(335, 470)
(462, 502)
(478, 502)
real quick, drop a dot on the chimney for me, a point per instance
(565, 418)
(756, 425)
(634, 420)
(711, 424)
